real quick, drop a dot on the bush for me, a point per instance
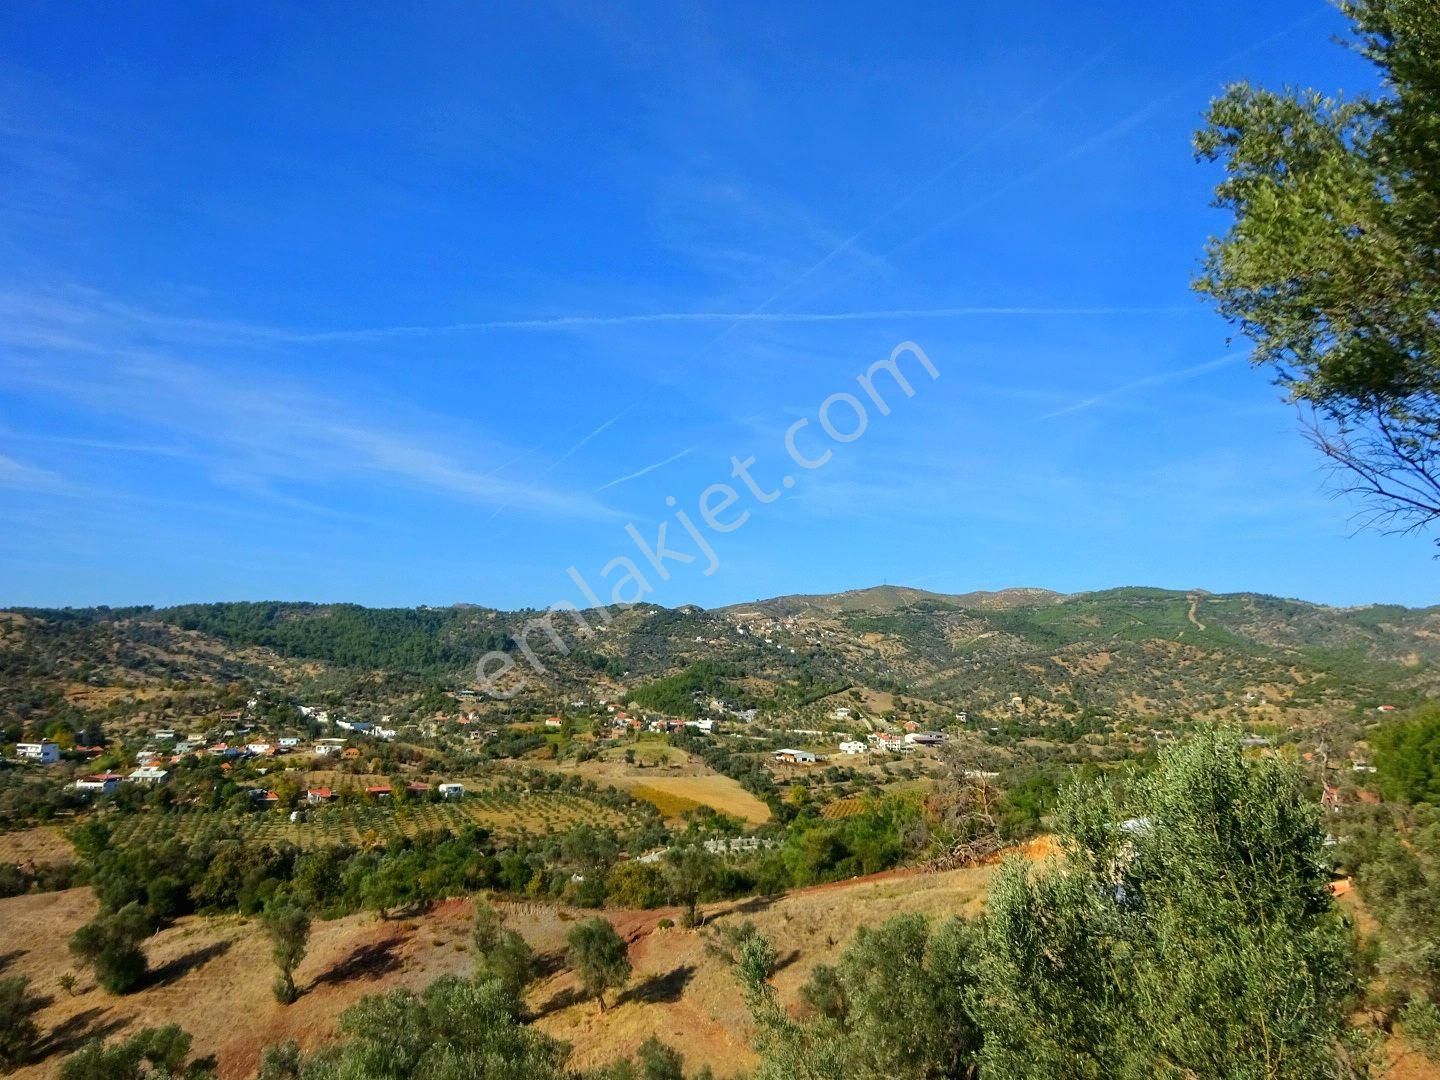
(18, 1033)
(110, 946)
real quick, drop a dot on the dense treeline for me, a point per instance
(417, 640)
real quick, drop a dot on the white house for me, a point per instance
(328, 747)
(100, 784)
(45, 752)
(150, 774)
(707, 726)
(289, 742)
(853, 746)
(451, 791)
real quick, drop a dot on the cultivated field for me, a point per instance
(504, 813)
(679, 786)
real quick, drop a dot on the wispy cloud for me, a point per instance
(15, 474)
(563, 322)
(1140, 384)
(251, 429)
(646, 470)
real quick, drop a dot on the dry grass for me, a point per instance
(669, 804)
(215, 973)
(713, 790)
(45, 844)
(685, 778)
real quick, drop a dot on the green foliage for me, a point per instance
(404, 639)
(1331, 267)
(1394, 855)
(454, 1030)
(896, 1007)
(1407, 757)
(690, 872)
(685, 693)
(288, 925)
(18, 1032)
(598, 956)
(1198, 940)
(501, 954)
(149, 1054)
(653, 1061)
(636, 884)
(110, 945)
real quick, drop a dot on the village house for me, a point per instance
(795, 757)
(316, 796)
(45, 751)
(452, 791)
(149, 774)
(924, 738)
(99, 784)
(853, 746)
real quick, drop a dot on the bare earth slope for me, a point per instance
(212, 975)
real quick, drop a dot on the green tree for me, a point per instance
(598, 955)
(288, 925)
(653, 1061)
(690, 872)
(18, 1032)
(455, 1030)
(896, 1007)
(636, 884)
(1198, 938)
(1407, 757)
(149, 1054)
(500, 953)
(110, 946)
(1331, 267)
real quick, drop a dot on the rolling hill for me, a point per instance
(1017, 656)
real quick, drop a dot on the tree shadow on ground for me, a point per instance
(6, 959)
(660, 989)
(571, 995)
(70, 1035)
(751, 905)
(176, 969)
(366, 962)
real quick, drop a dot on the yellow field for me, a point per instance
(843, 808)
(672, 806)
(713, 790)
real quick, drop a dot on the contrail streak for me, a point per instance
(562, 322)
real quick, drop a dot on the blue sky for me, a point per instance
(327, 303)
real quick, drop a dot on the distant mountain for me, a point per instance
(880, 598)
(1028, 659)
